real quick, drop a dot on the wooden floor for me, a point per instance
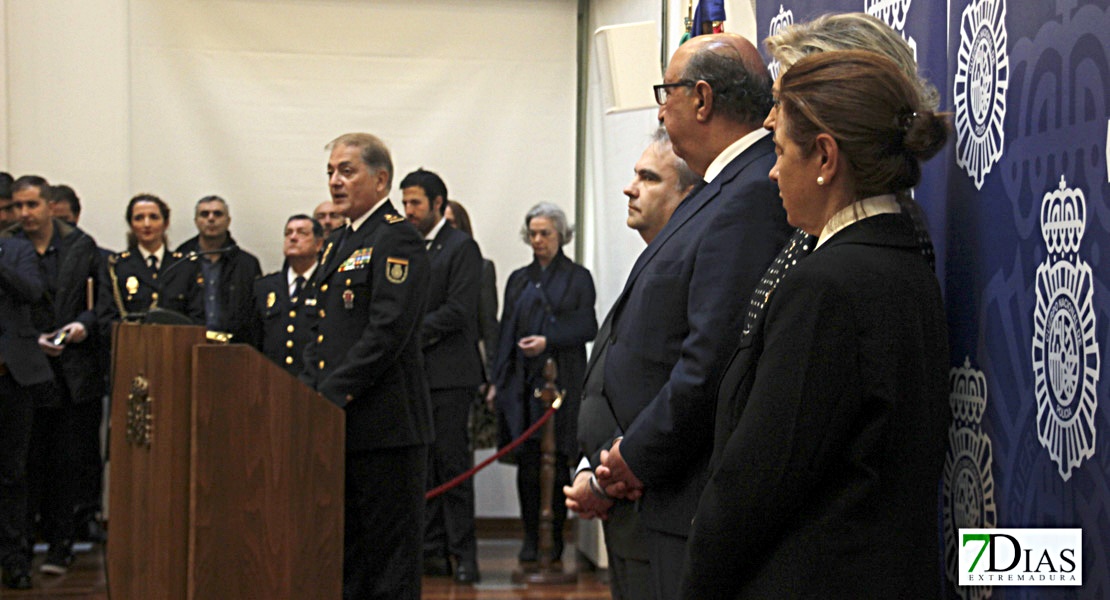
(496, 560)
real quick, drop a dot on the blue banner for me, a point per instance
(1019, 208)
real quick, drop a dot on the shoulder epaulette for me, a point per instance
(113, 259)
(177, 255)
(394, 219)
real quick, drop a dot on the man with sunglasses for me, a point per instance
(226, 271)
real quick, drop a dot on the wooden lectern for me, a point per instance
(227, 473)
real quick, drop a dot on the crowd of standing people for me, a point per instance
(764, 399)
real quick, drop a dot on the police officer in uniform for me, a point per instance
(146, 275)
(372, 287)
(287, 315)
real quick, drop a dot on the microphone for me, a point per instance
(165, 316)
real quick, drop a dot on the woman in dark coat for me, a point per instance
(548, 312)
(833, 414)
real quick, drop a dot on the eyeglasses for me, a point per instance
(663, 90)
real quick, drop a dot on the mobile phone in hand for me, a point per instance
(59, 338)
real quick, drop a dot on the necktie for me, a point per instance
(152, 262)
(298, 286)
(797, 247)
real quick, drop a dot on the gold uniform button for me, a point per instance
(322, 313)
(320, 339)
(348, 283)
(292, 314)
(324, 288)
(289, 329)
(288, 343)
(321, 364)
(350, 397)
(288, 360)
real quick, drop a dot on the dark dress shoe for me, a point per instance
(17, 578)
(467, 572)
(529, 553)
(436, 566)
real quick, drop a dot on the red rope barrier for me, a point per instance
(502, 452)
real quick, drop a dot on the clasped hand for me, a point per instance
(616, 477)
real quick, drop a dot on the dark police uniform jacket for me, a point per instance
(134, 286)
(286, 325)
(370, 293)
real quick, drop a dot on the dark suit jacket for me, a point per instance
(450, 333)
(835, 416)
(489, 329)
(79, 367)
(286, 328)
(671, 329)
(19, 286)
(236, 293)
(367, 357)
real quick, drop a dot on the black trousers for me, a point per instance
(16, 415)
(382, 558)
(449, 518)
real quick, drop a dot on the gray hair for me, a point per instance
(374, 152)
(686, 176)
(849, 31)
(212, 198)
(552, 213)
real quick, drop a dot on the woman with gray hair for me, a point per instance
(548, 313)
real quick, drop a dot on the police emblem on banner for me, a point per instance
(982, 78)
(968, 479)
(781, 21)
(893, 13)
(1065, 351)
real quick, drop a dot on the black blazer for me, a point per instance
(450, 332)
(80, 366)
(286, 327)
(671, 330)
(19, 286)
(236, 293)
(370, 291)
(834, 415)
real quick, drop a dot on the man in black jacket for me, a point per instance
(454, 369)
(228, 273)
(66, 315)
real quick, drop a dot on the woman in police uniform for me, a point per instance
(146, 275)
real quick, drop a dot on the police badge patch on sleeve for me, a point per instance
(396, 269)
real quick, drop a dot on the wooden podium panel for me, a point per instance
(238, 490)
(292, 509)
(149, 488)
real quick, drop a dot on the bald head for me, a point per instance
(329, 217)
(722, 92)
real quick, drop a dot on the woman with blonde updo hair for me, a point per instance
(827, 485)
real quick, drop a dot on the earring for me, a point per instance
(820, 180)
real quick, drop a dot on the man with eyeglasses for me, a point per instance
(682, 304)
(226, 271)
